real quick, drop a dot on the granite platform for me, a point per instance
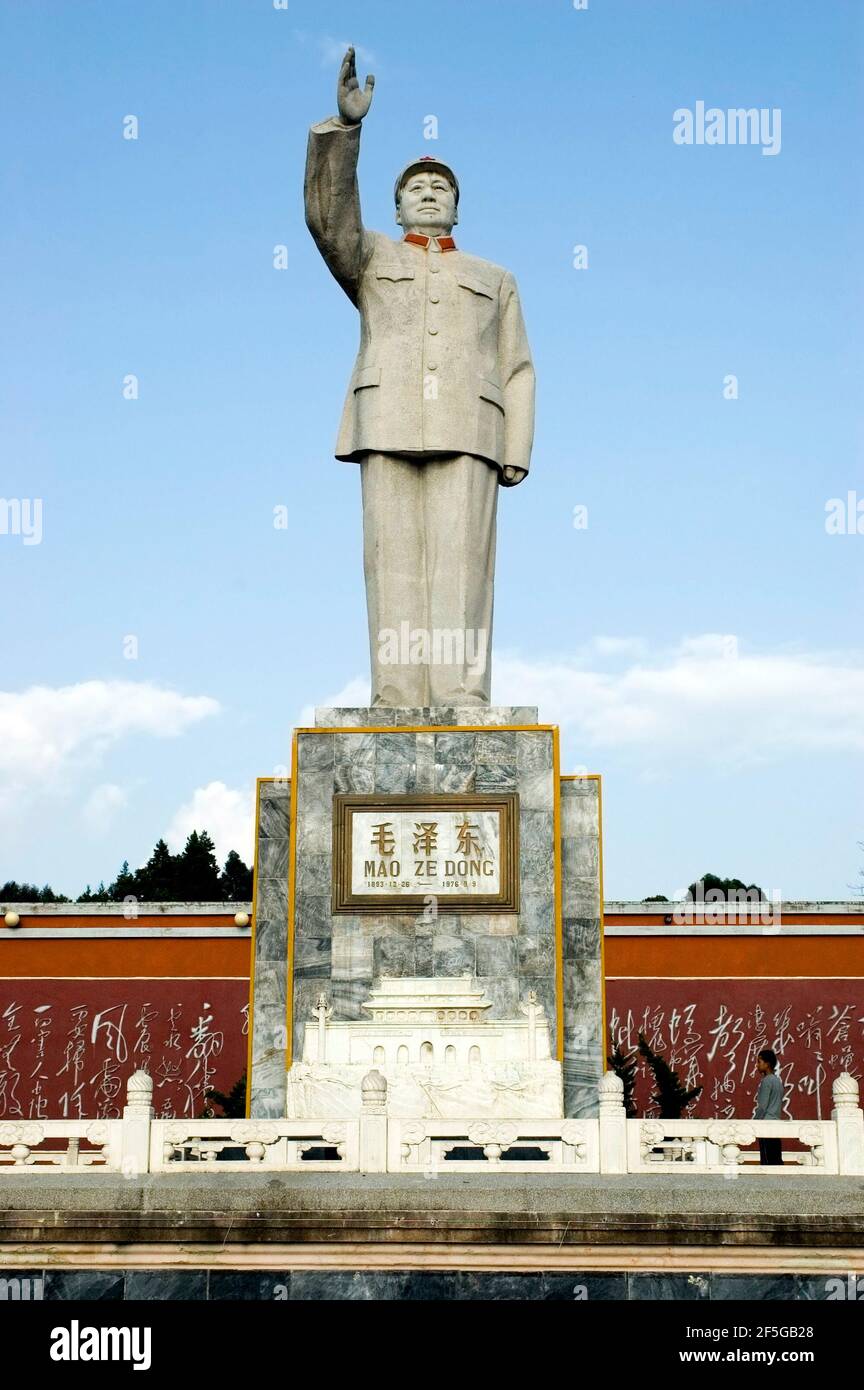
(335, 1236)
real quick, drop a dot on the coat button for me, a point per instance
(433, 331)
(434, 299)
(431, 366)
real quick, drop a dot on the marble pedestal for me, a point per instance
(551, 946)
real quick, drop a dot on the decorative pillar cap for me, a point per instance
(139, 1088)
(373, 1088)
(845, 1089)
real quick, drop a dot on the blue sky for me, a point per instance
(699, 642)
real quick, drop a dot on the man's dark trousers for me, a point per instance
(770, 1151)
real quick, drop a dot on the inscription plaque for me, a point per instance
(392, 853)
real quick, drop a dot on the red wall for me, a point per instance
(711, 1001)
(712, 1030)
(79, 1014)
(67, 1047)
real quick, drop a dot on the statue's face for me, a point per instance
(427, 204)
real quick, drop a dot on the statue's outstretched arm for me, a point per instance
(331, 193)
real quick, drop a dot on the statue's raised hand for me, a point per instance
(353, 104)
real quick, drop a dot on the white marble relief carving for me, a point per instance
(440, 1053)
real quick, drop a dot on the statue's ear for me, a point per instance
(399, 214)
(455, 215)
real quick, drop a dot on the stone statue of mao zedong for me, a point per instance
(439, 413)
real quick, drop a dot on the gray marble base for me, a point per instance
(365, 1285)
(582, 913)
(270, 952)
(507, 953)
(386, 717)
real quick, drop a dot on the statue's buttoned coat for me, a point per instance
(444, 364)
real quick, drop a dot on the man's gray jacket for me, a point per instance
(769, 1098)
(444, 364)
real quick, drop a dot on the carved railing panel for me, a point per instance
(245, 1145)
(533, 1145)
(40, 1146)
(724, 1146)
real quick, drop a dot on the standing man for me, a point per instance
(769, 1104)
(439, 412)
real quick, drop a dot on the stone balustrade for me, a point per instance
(284, 1146)
(377, 1142)
(39, 1146)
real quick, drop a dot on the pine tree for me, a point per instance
(125, 884)
(233, 1106)
(624, 1066)
(12, 892)
(235, 881)
(158, 881)
(99, 895)
(192, 876)
(671, 1097)
(198, 870)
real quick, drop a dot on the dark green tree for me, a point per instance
(656, 898)
(624, 1065)
(671, 1098)
(97, 895)
(232, 1106)
(125, 885)
(198, 870)
(235, 880)
(159, 880)
(192, 876)
(710, 882)
(12, 892)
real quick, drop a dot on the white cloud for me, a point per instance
(707, 698)
(226, 813)
(47, 731)
(102, 805)
(355, 694)
(619, 646)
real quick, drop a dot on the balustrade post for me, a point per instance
(323, 1011)
(135, 1127)
(373, 1123)
(613, 1124)
(849, 1118)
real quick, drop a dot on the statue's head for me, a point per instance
(427, 197)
